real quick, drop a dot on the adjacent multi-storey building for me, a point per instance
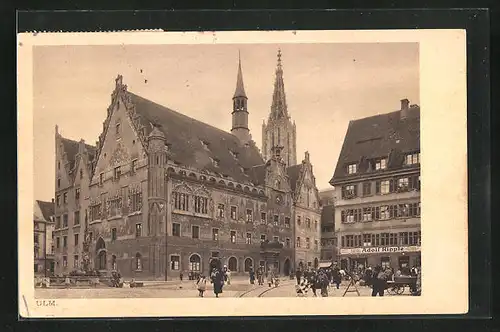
(377, 180)
(162, 193)
(328, 238)
(43, 219)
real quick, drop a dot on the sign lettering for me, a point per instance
(378, 250)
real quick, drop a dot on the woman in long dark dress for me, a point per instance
(218, 281)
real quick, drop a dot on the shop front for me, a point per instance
(397, 257)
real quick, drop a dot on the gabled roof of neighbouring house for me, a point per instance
(386, 135)
(47, 209)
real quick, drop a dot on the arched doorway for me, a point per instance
(195, 263)
(286, 267)
(100, 248)
(232, 264)
(316, 263)
(248, 264)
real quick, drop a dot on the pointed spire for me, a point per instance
(278, 106)
(240, 88)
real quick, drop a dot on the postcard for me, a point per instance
(270, 173)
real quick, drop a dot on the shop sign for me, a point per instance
(378, 250)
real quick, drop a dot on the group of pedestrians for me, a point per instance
(316, 279)
(218, 278)
(260, 275)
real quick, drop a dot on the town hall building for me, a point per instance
(162, 193)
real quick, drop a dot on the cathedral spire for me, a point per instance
(240, 88)
(278, 106)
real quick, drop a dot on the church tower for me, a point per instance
(279, 130)
(240, 110)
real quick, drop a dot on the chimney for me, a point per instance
(404, 108)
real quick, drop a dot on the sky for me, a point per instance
(326, 86)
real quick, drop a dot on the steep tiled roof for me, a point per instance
(47, 209)
(293, 175)
(196, 144)
(258, 174)
(384, 135)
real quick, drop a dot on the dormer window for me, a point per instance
(412, 158)
(352, 168)
(215, 162)
(380, 164)
(205, 145)
(117, 128)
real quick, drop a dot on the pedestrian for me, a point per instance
(252, 276)
(298, 275)
(336, 276)
(323, 283)
(181, 275)
(67, 282)
(270, 278)
(228, 277)
(218, 281)
(202, 285)
(379, 283)
(313, 281)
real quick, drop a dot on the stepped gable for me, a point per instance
(47, 209)
(198, 145)
(384, 135)
(71, 149)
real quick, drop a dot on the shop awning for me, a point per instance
(324, 264)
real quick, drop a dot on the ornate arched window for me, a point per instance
(195, 263)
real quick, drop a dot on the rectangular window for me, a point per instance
(58, 222)
(384, 212)
(233, 236)
(215, 234)
(412, 158)
(308, 223)
(220, 210)
(200, 204)
(276, 220)
(393, 239)
(384, 239)
(297, 244)
(65, 261)
(95, 211)
(58, 183)
(377, 240)
(65, 198)
(403, 184)
(263, 217)
(352, 168)
(77, 194)
(349, 191)
(262, 237)
(249, 216)
(367, 214)
(316, 245)
(299, 221)
(233, 213)
(75, 261)
(175, 263)
(308, 243)
(91, 236)
(403, 238)
(65, 220)
(195, 232)
(76, 238)
(249, 238)
(181, 201)
(349, 241)
(384, 187)
(58, 200)
(138, 230)
(176, 229)
(367, 188)
(367, 240)
(117, 172)
(287, 222)
(113, 234)
(58, 242)
(77, 218)
(65, 241)
(381, 164)
(287, 242)
(133, 166)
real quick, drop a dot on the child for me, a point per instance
(202, 285)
